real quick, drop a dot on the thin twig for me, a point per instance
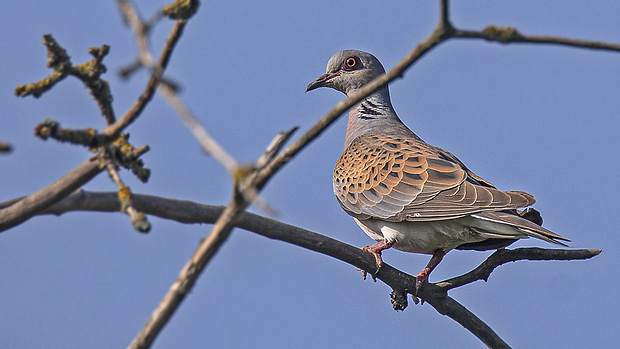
(114, 130)
(138, 219)
(504, 256)
(210, 145)
(444, 14)
(509, 35)
(250, 194)
(140, 29)
(206, 141)
(82, 174)
(169, 91)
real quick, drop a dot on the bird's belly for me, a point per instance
(421, 237)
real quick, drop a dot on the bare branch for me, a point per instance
(503, 256)
(508, 35)
(32, 204)
(190, 212)
(446, 305)
(250, 194)
(88, 72)
(203, 254)
(444, 14)
(114, 130)
(206, 141)
(169, 91)
(400, 282)
(141, 29)
(138, 219)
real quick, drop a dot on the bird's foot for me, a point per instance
(376, 249)
(377, 256)
(421, 278)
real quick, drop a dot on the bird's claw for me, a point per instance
(419, 281)
(365, 273)
(375, 250)
(415, 299)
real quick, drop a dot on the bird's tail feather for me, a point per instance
(522, 225)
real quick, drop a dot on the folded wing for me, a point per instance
(401, 179)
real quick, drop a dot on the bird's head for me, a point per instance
(348, 71)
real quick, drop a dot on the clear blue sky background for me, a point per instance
(542, 119)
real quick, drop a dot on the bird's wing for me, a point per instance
(451, 157)
(402, 179)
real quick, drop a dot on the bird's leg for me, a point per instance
(423, 276)
(376, 249)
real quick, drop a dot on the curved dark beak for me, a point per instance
(321, 81)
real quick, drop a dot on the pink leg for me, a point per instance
(376, 249)
(423, 276)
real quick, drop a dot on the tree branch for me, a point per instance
(169, 91)
(32, 204)
(203, 254)
(508, 35)
(504, 256)
(446, 305)
(402, 283)
(114, 130)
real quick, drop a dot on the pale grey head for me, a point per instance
(348, 70)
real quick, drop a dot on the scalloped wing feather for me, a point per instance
(404, 179)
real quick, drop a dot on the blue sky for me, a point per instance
(537, 118)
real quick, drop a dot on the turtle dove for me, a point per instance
(410, 195)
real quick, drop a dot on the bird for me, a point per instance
(410, 195)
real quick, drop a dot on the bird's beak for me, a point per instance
(322, 81)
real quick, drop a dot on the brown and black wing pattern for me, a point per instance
(402, 179)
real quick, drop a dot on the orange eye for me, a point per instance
(351, 63)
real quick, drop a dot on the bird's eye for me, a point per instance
(350, 63)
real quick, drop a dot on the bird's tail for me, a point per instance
(525, 223)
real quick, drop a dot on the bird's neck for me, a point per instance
(369, 114)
